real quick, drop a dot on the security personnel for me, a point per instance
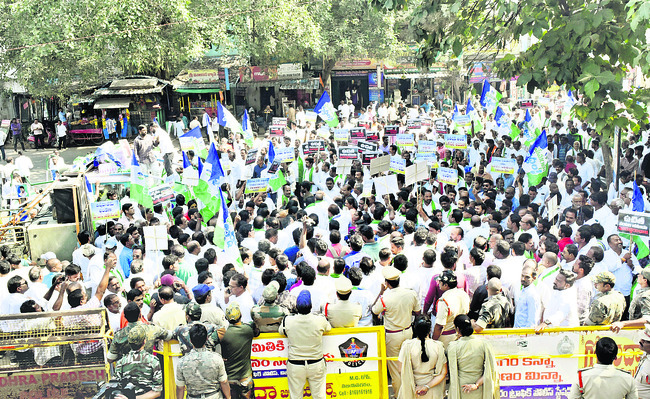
(139, 367)
(343, 313)
(640, 305)
(608, 305)
(642, 376)
(305, 335)
(604, 380)
(268, 316)
(193, 313)
(452, 303)
(496, 311)
(209, 381)
(397, 304)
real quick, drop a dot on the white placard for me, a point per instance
(379, 165)
(155, 238)
(417, 172)
(191, 177)
(385, 185)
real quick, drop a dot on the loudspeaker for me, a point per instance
(62, 200)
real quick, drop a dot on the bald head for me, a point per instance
(549, 259)
(494, 286)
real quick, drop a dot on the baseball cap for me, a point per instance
(201, 289)
(343, 285)
(270, 292)
(233, 313)
(605, 278)
(137, 335)
(111, 243)
(447, 276)
(167, 279)
(48, 255)
(193, 310)
(390, 273)
(552, 177)
(646, 273)
(87, 250)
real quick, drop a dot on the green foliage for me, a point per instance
(587, 46)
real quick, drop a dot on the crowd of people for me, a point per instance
(431, 262)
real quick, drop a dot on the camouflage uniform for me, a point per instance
(139, 367)
(606, 307)
(203, 381)
(194, 312)
(640, 305)
(269, 316)
(120, 345)
(495, 312)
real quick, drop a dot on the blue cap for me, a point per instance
(201, 289)
(304, 299)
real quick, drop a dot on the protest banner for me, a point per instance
(251, 157)
(368, 147)
(426, 146)
(277, 121)
(456, 141)
(348, 152)
(161, 193)
(344, 166)
(324, 132)
(398, 165)
(462, 120)
(385, 185)
(276, 131)
(364, 124)
(367, 157)
(311, 116)
(430, 158)
(286, 154)
(426, 122)
(413, 124)
(316, 145)
(105, 210)
(190, 177)
(417, 172)
(503, 165)
(273, 169)
(358, 373)
(405, 140)
(106, 169)
(372, 136)
(391, 130)
(257, 185)
(306, 150)
(441, 125)
(447, 176)
(380, 164)
(341, 134)
(634, 223)
(155, 237)
(358, 133)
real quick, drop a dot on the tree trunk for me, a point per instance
(609, 163)
(328, 65)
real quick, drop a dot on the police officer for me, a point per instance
(640, 305)
(397, 304)
(343, 312)
(496, 311)
(268, 316)
(642, 376)
(452, 303)
(305, 335)
(193, 313)
(608, 305)
(604, 380)
(201, 371)
(139, 367)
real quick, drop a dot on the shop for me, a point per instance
(406, 83)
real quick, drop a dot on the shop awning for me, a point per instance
(132, 86)
(197, 90)
(302, 84)
(429, 75)
(112, 103)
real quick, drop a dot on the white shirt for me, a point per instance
(246, 303)
(24, 164)
(560, 308)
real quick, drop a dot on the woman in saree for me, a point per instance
(472, 366)
(424, 365)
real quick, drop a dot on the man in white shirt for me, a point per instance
(560, 305)
(237, 293)
(24, 165)
(583, 268)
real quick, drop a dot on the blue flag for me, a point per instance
(217, 171)
(536, 163)
(186, 161)
(325, 109)
(489, 97)
(469, 107)
(196, 132)
(212, 155)
(637, 199)
(271, 153)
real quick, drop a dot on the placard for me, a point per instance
(161, 193)
(426, 122)
(427, 146)
(306, 150)
(105, 210)
(344, 166)
(324, 132)
(525, 104)
(380, 164)
(364, 124)
(431, 158)
(358, 133)
(367, 157)
(372, 136)
(348, 152)
(634, 223)
(106, 169)
(385, 185)
(405, 140)
(276, 131)
(398, 165)
(251, 157)
(286, 154)
(257, 185)
(190, 176)
(316, 145)
(311, 116)
(456, 141)
(391, 130)
(503, 165)
(277, 121)
(155, 238)
(462, 120)
(341, 134)
(441, 125)
(413, 124)
(273, 169)
(447, 176)
(368, 147)
(417, 172)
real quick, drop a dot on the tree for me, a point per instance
(53, 48)
(587, 46)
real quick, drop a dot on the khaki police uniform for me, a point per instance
(604, 382)
(397, 305)
(343, 313)
(452, 303)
